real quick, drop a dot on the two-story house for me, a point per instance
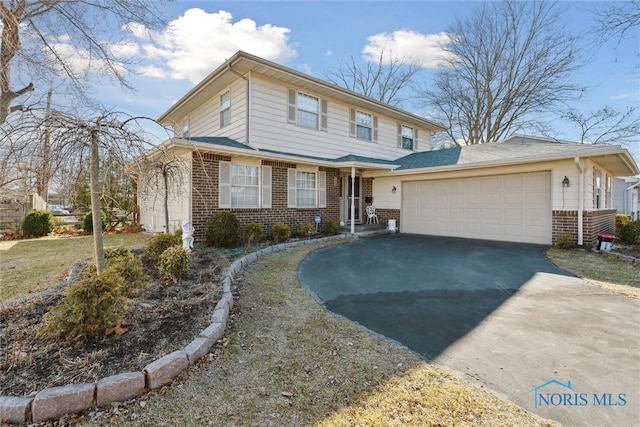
(273, 144)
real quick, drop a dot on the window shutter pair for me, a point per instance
(415, 137)
(321, 183)
(292, 109)
(224, 186)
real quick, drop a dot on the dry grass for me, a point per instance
(28, 266)
(600, 269)
(289, 362)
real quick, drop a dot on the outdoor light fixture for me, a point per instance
(393, 190)
(565, 181)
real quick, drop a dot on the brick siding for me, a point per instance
(594, 222)
(205, 197)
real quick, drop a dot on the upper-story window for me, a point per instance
(363, 125)
(225, 109)
(307, 110)
(407, 137)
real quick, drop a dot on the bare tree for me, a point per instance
(165, 170)
(383, 80)
(618, 19)
(606, 126)
(506, 62)
(68, 38)
(107, 134)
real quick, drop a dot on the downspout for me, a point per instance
(353, 196)
(576, 161)
(247, 109)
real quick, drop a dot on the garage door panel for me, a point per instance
(502, 207)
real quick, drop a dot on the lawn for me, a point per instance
(29, 266)
(600, 269)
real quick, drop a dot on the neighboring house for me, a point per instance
(626, 195)
(272, 144)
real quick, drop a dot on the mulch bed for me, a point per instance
(624, 249)
(163, 318)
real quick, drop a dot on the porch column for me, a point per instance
(353, 196)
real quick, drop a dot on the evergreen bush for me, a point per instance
(222, 230)
(38, 223)
(330, 228)
(306, 230)
(174, 262)
(630, 233)
(160, 243)
(89, 307)
(621, 221)
(280, 232)
(87, 221)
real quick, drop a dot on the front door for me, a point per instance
(355, 196)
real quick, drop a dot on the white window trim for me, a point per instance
(292, 111)
(228, 91)
(320, 190)
(414, 140)
(225, 185)
(353, 125)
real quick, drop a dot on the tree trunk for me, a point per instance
(98, 245)
(165, 177)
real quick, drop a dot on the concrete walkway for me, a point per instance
(497, 312)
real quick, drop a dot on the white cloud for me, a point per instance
(425, 49)
(305, 68)
(197, 42)
(328, 52)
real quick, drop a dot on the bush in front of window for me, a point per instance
(630, 233)
(280, 232)
(307, 229)
(253, 233)
(222, 230)
(330, 228)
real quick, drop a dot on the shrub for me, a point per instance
(222, 230)
(621, 221)
(254, 232)
(280, 231)
(174, 262)
(38, 223)
(87, 221)
(630, 233)
(89, 306)
(565, 241)
(124, 263)
(307, 229)
(330, 228)
(160, 243)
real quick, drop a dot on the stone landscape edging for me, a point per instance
(54, 402)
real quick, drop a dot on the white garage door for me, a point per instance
(514, 208)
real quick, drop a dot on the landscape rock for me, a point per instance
(196, 349)
(165, 368)
(15, 409)
(118, 388)
(213, 333)
(56, 401)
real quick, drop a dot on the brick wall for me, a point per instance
(594, 222)
(205, 197)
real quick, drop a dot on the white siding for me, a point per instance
(151, 202)
(383, 197)
(205, 120)
(271, 129)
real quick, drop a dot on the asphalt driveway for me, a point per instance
(498, 312)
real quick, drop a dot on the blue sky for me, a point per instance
(314, 36)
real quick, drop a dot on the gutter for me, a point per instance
(576, 161)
